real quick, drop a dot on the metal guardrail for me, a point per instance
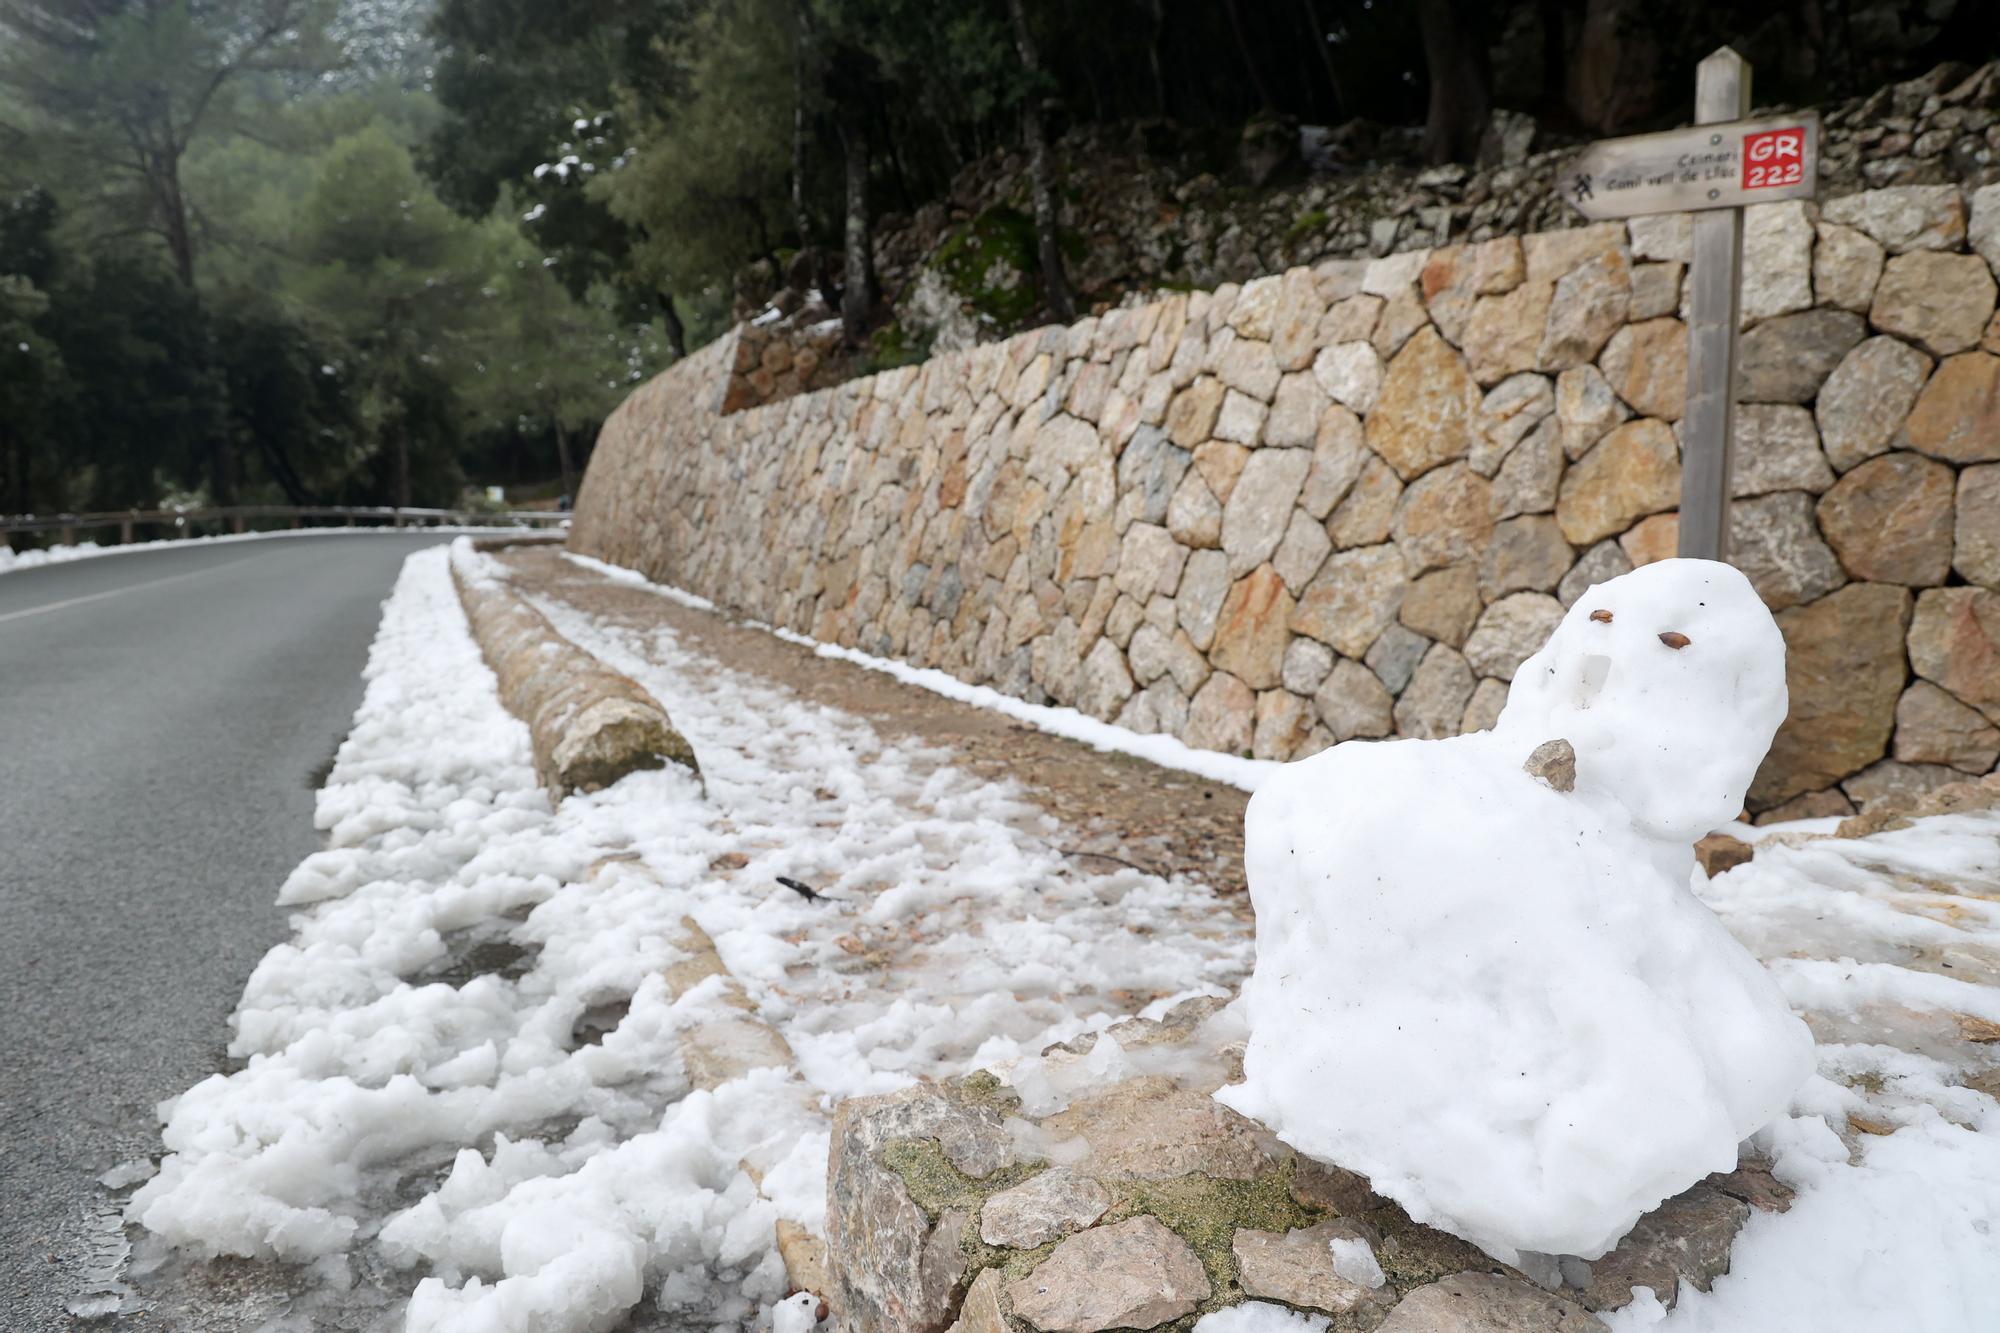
(238, 518)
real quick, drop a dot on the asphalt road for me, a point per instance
(165, 716)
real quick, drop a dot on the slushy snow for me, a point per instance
(1500, 1001)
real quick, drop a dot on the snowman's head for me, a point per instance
(1669, 682)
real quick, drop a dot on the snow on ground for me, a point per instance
(11, 560)
(402, 1102)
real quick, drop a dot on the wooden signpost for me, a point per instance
(1714, 169)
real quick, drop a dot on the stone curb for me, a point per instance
(589, 725)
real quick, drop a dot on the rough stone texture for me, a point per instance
(1777, 449)
(1941, 302)
(1686, 1239)
(1296, 1267)
(1483, 710)
(1434, 701)
(1427, 409)
(1890, 520)
(1646, 366)
(1632, 472)
(1773, 541)
(1844, 669)
(1064, 515)
(1487, 1303)
(1934, 728)
(1867, 397)
(1041, 1208)
(1352, 701)
(1511, 630)
(1957, 416)
(1955, 642)
(1904, 217)
(1136, 1274)
(1976, 526)
(1785, 360)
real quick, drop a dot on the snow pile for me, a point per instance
(1499, 1000)
(422, 1093)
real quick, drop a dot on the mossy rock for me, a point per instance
(990, 265)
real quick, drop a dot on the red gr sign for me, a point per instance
(1774, 157)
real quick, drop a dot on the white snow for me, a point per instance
(1498, 1001)
(1164, 751)
(1354, 1259)
(1261, 1317)
(389, 1104)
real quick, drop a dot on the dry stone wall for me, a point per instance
(1348, 501)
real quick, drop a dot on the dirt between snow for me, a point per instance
(1121, 810)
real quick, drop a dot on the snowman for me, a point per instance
(1482, 979)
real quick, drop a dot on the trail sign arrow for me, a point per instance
(1704, 166)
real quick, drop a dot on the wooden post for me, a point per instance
(1722, 93)
(125, 532)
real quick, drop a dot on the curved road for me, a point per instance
(165, 717)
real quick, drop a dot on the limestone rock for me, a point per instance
(1590, 304)
(1777, 449)
(1656, 290)
(1149, 471)
(1773, 541)
(1251, 634)
(1191, 415)
(1983, 234)
(1719, 852)
(1846, 267)
(1339, 450)
(1586, 407)
(1366, 514)
(1295, 412)
(1551, 254)
(1940, 302)
(1904, 217)
(1646, 366)
(1402, 315)
(1254, 519)
(1220, 463)
(1553, 764)
(1504, 334)
(1685, 1239)
(1104, 684)
(1509, 412)
(1443, 605)
(1777, 260)
(1296, 1267)
(981, 1311)
(1194, 516)
(1149, 1128)
(1295, 321)
(1602, 562)
(1867, 397)
(1955, 642)
(1976, 528)
(1221, 715)
(1284, 722)
(1445, 518)
(1204, 583)
(1251, 314)
(1041, 1208)
(1510, 631)
(1957, 416)
(1351, 374)
(1651, 539)
(1785, 360)
(1149, 561)
(1482, 711)
(1135, 1274)
(1307, 662)
(1352, 701)
(1395, 655)
(1427, 407)
(1525, 555)
(1667, 236)
(1531, 478)
(1844, 668)
(1355, 596)
(1934, 728)
(1241, 420)
(1891, 788)
(1632, 472)
(1350, 319)
(1433, 703)
(1890, 520)
(1487, 1303)
(1248, 366)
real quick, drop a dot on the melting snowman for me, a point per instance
(1482, 979)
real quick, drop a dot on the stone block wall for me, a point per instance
(1348, 501)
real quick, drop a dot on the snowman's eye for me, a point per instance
(1675, 639)
(1601, 616)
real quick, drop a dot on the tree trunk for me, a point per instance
(562, 454)
(1461, 97)
(1316, 34)
(857, 296)
(677, 339)
(1041, 174)
(1159, 21)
